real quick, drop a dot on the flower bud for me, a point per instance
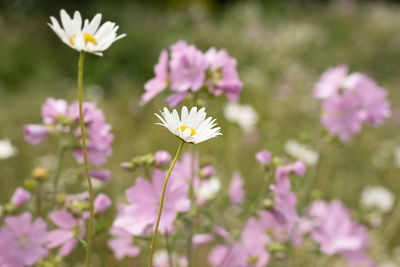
(162, 157)
(40, 173)
(20, 196)
(101, 203)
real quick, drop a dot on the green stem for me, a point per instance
(153, 241)
(85, 160)
(310, 182)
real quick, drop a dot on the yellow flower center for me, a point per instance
(183, 128)
(87, 36)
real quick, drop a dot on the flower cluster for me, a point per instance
(62, 119)
(185, 69)
(137, 219)
(350, 100)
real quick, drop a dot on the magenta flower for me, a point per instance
(250, 251)
(100, 138)
(64, 120)
(65, 236)
(263, 157)
(122, 244)
(101, 203)
(236, 191)
(145, 199)
(188, 67)
(158, 83)
(53, 109)
(20, 196)
(224, 76)
(337, 233)
(102, 175)
(350, 101)
(331, 81)
(162, 157)
(35, 133)
(22, 241)
(373, 103)
(208, 171)
(201, 239)
(341, 116)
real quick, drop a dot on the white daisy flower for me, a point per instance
(7, 149)
(192, 127)
(301, 152)
(244, 115)
(377, 197)
(91, 38)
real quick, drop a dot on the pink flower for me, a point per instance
(224, 76)
(250, 251)
(337, 233)
(341, 115)
(236, 191)
(175, 99)
(20, 196)
(64, 236)
(208, 171)
(162, 157)
(52, 109)
(158, 83)
(201, 239)
(102, 175)
(330, 82)
(35, 133)
(188, 67)
(122, 244)
(22, 241)
(374, 105)
(101, 203)
(145, 198)
(285, 200)
(100, 138)
(263, 157)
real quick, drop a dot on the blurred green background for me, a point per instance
(282, 47)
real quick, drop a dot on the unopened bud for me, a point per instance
(40, 173)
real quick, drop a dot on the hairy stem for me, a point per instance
(153, 241)
(85, 160)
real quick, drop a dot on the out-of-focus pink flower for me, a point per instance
(224, 77)
(52, 109)
(299, 168)
(285, 200)
(201, 239)
(236, 191)
(100, 138)
(337, 233)
(349, 101)
(64, 236)
(341, 116)
(159, 83)
(188, 67)
(35, 133)
(250, 251)
(101, 203)
(162, 157)
(175, 99)
(122, 244)
(20, 196)
(330, 82)
(208, 171)
(22, 241)
(145, 197)
(102, 175)
(222, 232)
(374, 107)
(263, 157)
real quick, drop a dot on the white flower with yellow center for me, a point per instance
(191, 127)
(91, 38)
